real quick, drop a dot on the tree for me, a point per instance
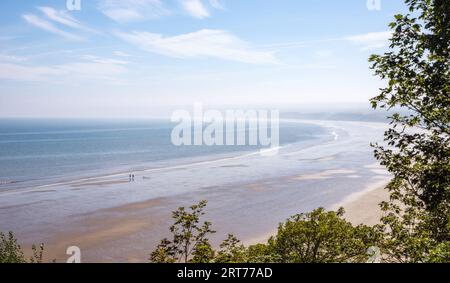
(261, 253)
(203, 253)
(231, 251)
(321, 237)
(440, 254)
(11, 251)
(417, 145)
(189, 241)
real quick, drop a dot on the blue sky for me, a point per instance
(134, 58)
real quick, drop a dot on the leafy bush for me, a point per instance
(189, 238)
(315, 237)
(11, 251)
(322, 237)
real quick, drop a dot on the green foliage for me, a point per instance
(231, 251)
(440, 254)
(318, 236)
(417, 149)
(189, 238)
(203, 253)
(261, 253)
(11, 251)
(321, 237)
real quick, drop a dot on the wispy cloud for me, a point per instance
(63, 18)
(60, 17)
(132, 10)
(100, 60)
(216, 4)
(19, 72)
(371, 40)
(198, 8)
(48, 26)
(91, 71)
(89, 68)
(121, 54)
(195, 8)
(367, 41)
(11, 58)
(204, 43)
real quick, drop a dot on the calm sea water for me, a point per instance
(36, 152)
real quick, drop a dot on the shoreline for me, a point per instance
(360, 208)
(363, 207)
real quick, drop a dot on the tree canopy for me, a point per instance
(417, 145)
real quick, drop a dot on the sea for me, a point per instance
(36, 152)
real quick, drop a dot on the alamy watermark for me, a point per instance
(374, 254)
(374, 5)
(73, 5)
(75, 254)
(231, 128)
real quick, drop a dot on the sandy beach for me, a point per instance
(365, 208)
(360, 208)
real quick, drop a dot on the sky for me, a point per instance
(145, 58)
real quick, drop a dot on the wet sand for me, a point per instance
(122, 225)
(360, 208)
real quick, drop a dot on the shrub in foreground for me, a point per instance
(11, 251)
